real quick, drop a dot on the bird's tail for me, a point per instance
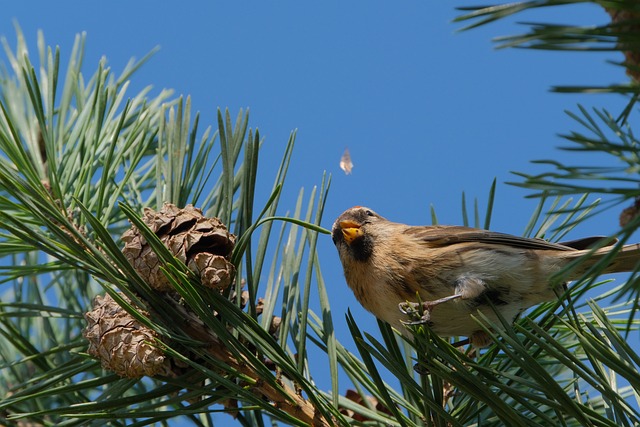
(626, 259)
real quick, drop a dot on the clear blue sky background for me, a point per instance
(427, 112)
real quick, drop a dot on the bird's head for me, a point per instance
(354, 232)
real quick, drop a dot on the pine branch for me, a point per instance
(621, 33)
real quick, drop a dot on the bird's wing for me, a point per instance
(590, 242)
(444, 235)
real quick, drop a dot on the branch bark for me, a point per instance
(286, 398)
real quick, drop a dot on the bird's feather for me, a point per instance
(444, 235)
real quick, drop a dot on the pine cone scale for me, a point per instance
(188, 235)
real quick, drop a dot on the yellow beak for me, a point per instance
(350, 231)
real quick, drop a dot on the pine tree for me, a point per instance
(141, 282)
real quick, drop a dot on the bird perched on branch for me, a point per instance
(449, 273)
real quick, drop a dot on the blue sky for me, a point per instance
(427, 112)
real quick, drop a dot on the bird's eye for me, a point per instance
(369, 213)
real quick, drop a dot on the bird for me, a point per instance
(441, 276)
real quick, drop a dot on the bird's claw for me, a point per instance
(422, 321)
(415, 311)
(420, 312)
(408, 308)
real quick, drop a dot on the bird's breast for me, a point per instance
(513, 284)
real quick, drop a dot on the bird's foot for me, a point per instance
(420, 312)
(478, 339)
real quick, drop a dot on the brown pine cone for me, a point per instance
(360, 400)
(630, 213)
(627, 24)
(121, 342)
(203, 244)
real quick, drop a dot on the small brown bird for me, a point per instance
(455, 271)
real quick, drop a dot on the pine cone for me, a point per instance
(203, 244)
(627, 24)
(276, 321)
(121, 342)
(360, 400)
(630, 213)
